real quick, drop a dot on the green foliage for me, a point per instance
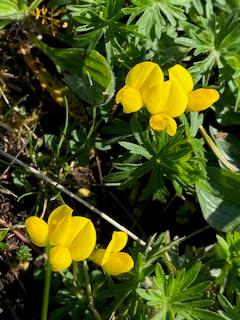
(228, 252)
(12, 10)
(176, 296)
(24, 253)
(94, 45)
(161, 157)
(219, 199)
(216, 39)
(3, 233)
(230, 312)
(86, 73)
(228, 144)
(152, 16)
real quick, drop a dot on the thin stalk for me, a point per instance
(71, 195)
(46, 291)
(89, 292)
(216, 151)
(93, 123)
(64, 133)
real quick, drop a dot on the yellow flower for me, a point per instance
(71, 238)
(199, 99)
(139, 79)
(111, 259)
(171, 98)
(165, 100)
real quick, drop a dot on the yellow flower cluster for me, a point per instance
(164, 99)
(73, 238)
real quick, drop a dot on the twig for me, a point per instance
(18, 234)
(72, 195)
(89, 292)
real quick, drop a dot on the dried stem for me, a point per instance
(72, 195)
(18, 234)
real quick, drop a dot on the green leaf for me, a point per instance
(135, 149)
(228, 144)
(3, 233)
(231, 312)
(3, 246)
(12, 9)
(87, 74)
(220, 201)
(223, 245)
(34, 5)
(202, 314)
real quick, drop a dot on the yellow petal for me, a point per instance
(156, 97)
(77, 224)
(143, 75)
(162, 121)
(118, 242)
(130, 98)
(119, 262)
(38, 231)
(201, 99)
(177, 99)
(97, 256)
(57, 214)
(59, 225)
(60, 258)
(182, 76)
(84, 240)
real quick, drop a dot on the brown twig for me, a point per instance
(17, 233)
(72, 195)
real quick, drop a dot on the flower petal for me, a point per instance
(182, 76)
(38, 231)
(57, 214)
(156, 97)
(143, 75)
(97, 256)
(130, 98)
(84, 240)
(201, 99)
(119, 262)
(60, 221)
(177, 99)
(162, 121)
(60, 258)
(118, 242)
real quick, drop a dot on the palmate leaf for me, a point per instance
(176, 296)
(168, 158)
(152, 15)
(230, 312)
(217, 40)
(12, 9)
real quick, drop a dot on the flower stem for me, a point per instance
(89, 292)
(46, 291)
